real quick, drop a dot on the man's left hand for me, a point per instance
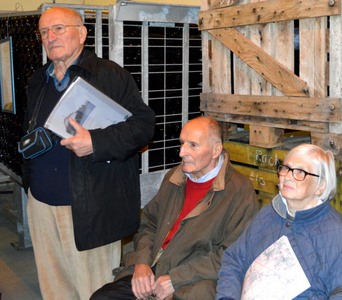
(163, 288)
(80, 143)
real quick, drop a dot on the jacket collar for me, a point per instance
(301, 215)
(179, 178)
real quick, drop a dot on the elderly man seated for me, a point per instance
(202, 207)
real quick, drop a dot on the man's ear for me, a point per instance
(217, 150)
(83, 34)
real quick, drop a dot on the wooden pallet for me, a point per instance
(257, 77)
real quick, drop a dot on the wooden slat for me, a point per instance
(266, 12)
(261, 180)
(290, 108)
(278, 123)
(241, 71)
(206, 64)
(313, 55)
(330, 141)
(220, 62)
(261, 62)
(254, 156)
(265, 136)
(335, 63)
(261, 35)
(221, 3)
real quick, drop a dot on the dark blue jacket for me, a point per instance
(315, 236)
(105, 185)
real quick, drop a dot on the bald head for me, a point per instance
(66, 13)
(208, 125)
(201, 146)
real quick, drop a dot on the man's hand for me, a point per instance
(163, 287)
(80, 143)
(142, 281)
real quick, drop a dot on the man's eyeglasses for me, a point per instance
(297, 174)
(58, 29)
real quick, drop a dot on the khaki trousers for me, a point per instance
(63, 271)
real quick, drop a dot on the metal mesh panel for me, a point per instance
(165, 60)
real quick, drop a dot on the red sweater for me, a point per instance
(194, 193)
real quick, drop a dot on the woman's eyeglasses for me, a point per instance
(297, 174)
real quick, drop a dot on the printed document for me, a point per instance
(87, 106)
(275, 274)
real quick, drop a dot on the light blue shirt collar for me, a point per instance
(210, 175)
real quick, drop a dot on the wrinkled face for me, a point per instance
(197, 152)
(67, 46)
(299, 194)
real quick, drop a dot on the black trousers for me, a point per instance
(120, 289)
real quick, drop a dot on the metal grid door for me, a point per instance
(164, 56)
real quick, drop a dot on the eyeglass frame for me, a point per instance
(52, 28)
(294, 169)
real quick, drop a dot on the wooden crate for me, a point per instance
(259, 78)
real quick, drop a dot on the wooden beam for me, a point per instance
(271, 122)
(264, 64)
(254, 156)
(265, 136)
(280, 107)
(261, 180)
(221, 3)
(267, 12)
(330, 141)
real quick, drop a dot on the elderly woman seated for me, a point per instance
(293, 247)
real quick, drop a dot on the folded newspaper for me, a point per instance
(88, 106)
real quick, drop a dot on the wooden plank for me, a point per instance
(266, 12)
(206, 62)
(221, 77)
(242, 72)
(329, 141)
(265, 181)
(265, 136)
(279, 123)
(335, 63)
(221, 3)
(206, 54)
(255, 156)
(313, 55)
(283, 50)
(264, 64)
(262, 36)
(290, 108)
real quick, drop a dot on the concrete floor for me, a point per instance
(18, 274)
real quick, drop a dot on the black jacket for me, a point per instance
(105, 185)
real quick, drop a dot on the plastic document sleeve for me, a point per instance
(88, 106)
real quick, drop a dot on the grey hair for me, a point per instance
(324, 163)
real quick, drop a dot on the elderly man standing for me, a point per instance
(201, 208)
(84, 193)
